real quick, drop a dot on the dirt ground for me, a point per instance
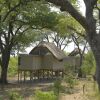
(28, 88)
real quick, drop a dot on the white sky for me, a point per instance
(82, 7)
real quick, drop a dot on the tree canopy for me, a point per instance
(88, 22)
(19, 21)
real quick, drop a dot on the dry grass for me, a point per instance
(26, 90)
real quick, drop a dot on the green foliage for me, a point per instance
(71, 81)
(94, 93)
(70, 77)
(15, 96)
(89, 64)
(1, 98)
(39, 95)
(57, 87)
(73, 1)
(69, 68)
(64, 21)
(25, 19)
(12, 70)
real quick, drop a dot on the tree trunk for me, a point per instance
(4, 66)
(4, 75)
(97, 58)
(80, 74)
(95, 46)
(98, 70)
(89, 24)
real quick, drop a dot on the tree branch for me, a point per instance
(73, 29)
(18, 29)
(67, 6)
(12, 9)
(0, 61)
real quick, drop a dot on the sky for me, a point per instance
(71, 46)
(82, 10)
(82, 7)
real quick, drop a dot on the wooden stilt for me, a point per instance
(30, 75)
(18, 75)
(48, 74)
(52, 74)
(24, 76)
(38, 74)
(43, 73)
(58, 73)
(62, 74)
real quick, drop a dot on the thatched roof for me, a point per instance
(45, 48)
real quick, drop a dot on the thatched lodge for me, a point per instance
(44, 61)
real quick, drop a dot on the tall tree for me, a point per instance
(17, 17)
(61, 32)
(89, 24)
(79, 41)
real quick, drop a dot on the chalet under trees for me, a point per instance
(44, 61)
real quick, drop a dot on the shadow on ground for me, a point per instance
(27, 88)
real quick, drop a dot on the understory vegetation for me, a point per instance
(28, 92)
(68, 85)
(13, 67)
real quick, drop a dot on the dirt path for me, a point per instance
(28, 89)
(84, 88)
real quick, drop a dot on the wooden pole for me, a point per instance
(30, 75)
(38, 74)
(52, 74)
(18, 75)
(24, 76)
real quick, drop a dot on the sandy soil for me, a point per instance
(27, 89)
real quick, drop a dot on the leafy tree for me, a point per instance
(89, 23)
(17, 17)
(79, 41)
(89, 64)
(61, 33)
(61, 41)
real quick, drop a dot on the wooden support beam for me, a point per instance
(52, 74)
(38, 74)
(24, 76)
(62, 74)
(18, 75)
(30, 75)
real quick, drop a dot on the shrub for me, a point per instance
(89, 64)
(1, 98)
(70, 77)
(15, 96)
(39, 95)
(71, 81)
(57, 86)
(12, 69)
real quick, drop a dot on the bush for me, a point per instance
(71, 81)
(15, 96)
(89, 65)
(57, 86)
(39, 95)
(1, 98)
(12, 69)
(70, 77)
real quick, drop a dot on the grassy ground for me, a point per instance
(84, 90)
